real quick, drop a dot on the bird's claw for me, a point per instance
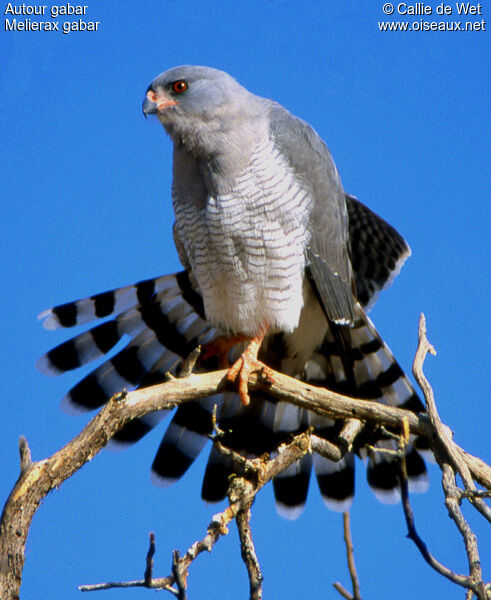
(240, 371)
(220, 347)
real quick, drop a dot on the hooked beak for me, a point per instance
(156, 102)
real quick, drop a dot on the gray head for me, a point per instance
(197, 104)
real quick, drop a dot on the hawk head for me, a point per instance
(201, 107)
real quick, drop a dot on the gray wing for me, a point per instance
(181, 251)
(328, 252)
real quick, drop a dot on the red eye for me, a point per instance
(179, 86)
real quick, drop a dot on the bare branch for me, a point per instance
(327, 449)
(37, 479)
(343, 591)
(350, 554)
(474, 581)
(25, 455)
(351, 557)
(180, 574)
(452, 460)
(469, 467)
(248, 553)
(110, 585)
(350, 431)
(241, 494)
(413, 535)
(149, 561)
(452, 497)
(188, 365)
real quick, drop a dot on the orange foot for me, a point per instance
(246, 364)
(221, 347)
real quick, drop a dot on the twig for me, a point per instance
(187, 366)
(216, 431)
(110, 585)
(451, 461)
(248, 553)
(452, 503)
(446, 445)
(241, 495)
(25, 455)
(327, 449)
(476, 494)
(413, 535)
(463, 580)
(149, 561)
(37, 479)
(343, 591)
(350, 431)
(180, 574)
(351, 557)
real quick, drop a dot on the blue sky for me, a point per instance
(85, 191)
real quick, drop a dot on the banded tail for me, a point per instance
(163, 320)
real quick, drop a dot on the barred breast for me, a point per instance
(247, 247)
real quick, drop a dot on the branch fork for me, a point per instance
(37, 479)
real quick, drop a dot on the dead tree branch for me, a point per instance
(248, 553)
(37, 479)
(452, 462)
(149, 561)
(350, 555)
(241, 494)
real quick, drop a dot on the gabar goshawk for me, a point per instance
(280, 266)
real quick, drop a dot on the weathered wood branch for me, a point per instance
(452, 462)
(37, 479)
(241, 494)
(350, 555)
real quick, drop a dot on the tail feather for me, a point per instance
(383, 474)
(376, 376)
(124, 370)
(133, 431)
(185, 437)
(291, 488)
(80, 350)
(164, 321)
(216, 477)
(163, 327)
(336, 481)
(417, 472)
(105, 304)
